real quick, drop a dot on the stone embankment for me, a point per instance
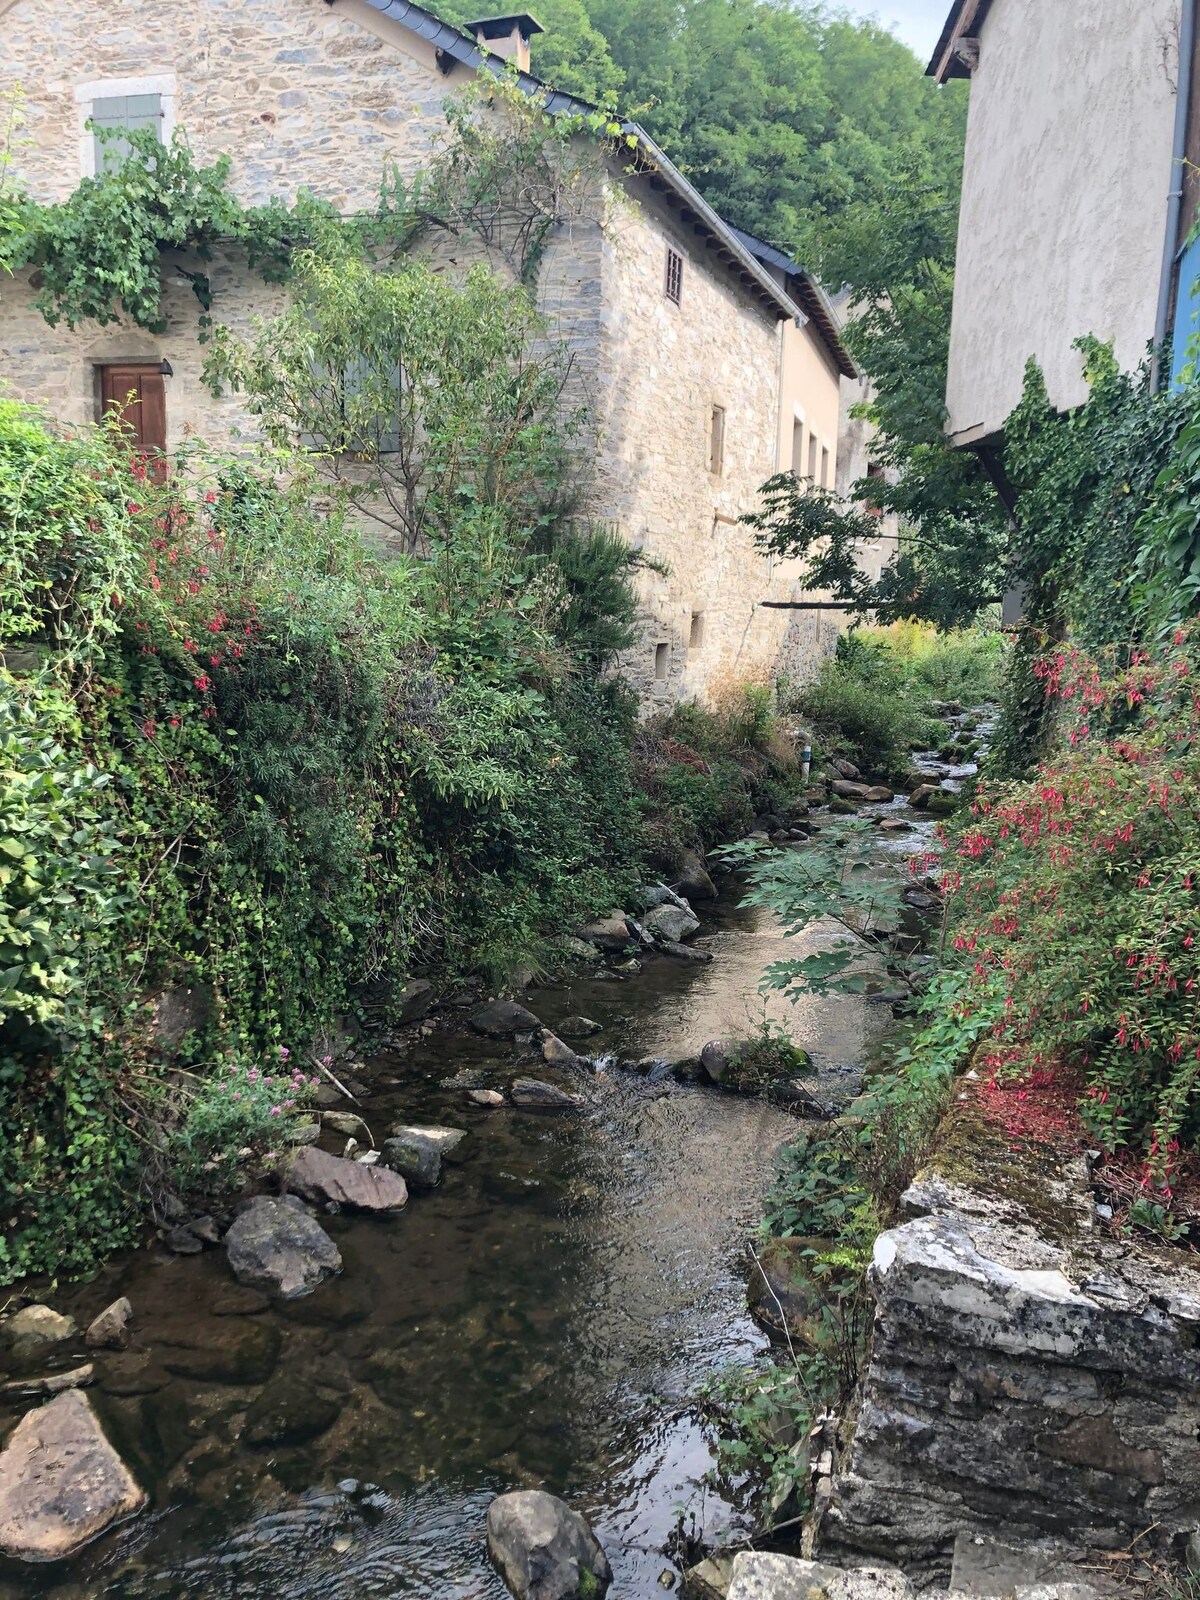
(1031, 1380)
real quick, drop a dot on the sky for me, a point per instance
(918, 22)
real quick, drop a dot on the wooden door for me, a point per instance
(137, 394)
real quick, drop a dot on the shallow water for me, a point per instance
(539, 1319)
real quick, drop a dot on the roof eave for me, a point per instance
(965, 21)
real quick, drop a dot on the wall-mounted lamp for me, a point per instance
(167, 370)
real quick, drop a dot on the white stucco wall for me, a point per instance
(1068, 166)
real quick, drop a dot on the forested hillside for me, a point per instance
(780, 114)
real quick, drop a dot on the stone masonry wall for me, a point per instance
(305, 94)
(663, 368)
(1030, 1379)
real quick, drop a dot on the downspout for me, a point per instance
(1183, 102)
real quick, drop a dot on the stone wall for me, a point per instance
(303, 94)
(663, 368)
(1031, 1379)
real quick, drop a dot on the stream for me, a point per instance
(540, 1319)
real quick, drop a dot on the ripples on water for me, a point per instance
(540, 1319)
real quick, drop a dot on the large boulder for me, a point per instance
(275, 1245)
(879, 794)
(110, 1330)
(921, 795)
(671, 923)
(759, 1575)
(543, 1550)
(288, 1411)
(533, 1095)
(61, 1482)
(610, 933)
(316, 1175)
(694, 882)
(503, 1019)
(414, 1000)
(34, 1331)
(845, 790)
(415, 1157)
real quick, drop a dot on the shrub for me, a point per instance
(239, 1111)
(1080, 896)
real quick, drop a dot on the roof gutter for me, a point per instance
(1183, 102)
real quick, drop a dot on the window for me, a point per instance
(138, 396)
(716, 441)
(875, 471)
(696, 633)
(797, 462)
(662, 660)
(813, 446)
(825, 468)
(119, 105)
(673, 283)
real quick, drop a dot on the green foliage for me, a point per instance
(761, 1416)
(1080, 898)
(855, 712)
(260, 763)
(705, 773)
(764, 1060)
(99, 251)
(237, 1105)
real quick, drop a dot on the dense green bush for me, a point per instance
(242, 754)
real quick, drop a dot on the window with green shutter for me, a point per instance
(122, 113)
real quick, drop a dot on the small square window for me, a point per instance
(814, 445)
(825, 469)
(673, 283)
(662, 660)
(716, 441)
(797, 448)
(121, 114)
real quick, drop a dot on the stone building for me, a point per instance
(707, 364)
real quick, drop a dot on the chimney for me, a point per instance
(507, 37)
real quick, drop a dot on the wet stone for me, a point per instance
(448, 1142)
(110, 1330)
(415, 1158)
(532, 1094)
(51, 1383)
(248, 1356)
(503, 1019)
(485, 1097)
(61, 1482)
(579, 1028)
(277, 1246)
(324, 1179)
(239, 1302)
(34, 1331)
(289, 1411)
(543, 1550)
(557, 1054)
(132, 1374)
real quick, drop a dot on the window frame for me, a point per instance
(673, 276)
(86, 94)
(717, 420)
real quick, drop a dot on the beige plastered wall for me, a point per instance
(1068, 165)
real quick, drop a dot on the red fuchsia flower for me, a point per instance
(210, 497)
(148, 727)
(174, 721)
(133, 509)
(203, 682)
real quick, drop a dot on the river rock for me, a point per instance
(320, 1177)
(759, 1575)
(35, 1330)
(577, 949)
(716, 1058)
(277, 1246)
(610, 933)
(52, 1383)
(694, 882)
(653, 895)
(920, 796)
(243, 1352)
(671, 923)
(288, 1412)
(448, 1142)
(485, 1097)
(543, 1550)
(710, 1580)
(895, 825)
(844, 768)
(348, 1123)
(579, 1028)
(845, 790)
(784, 1296)
(110, 1330)
(941, 803)
(415, 1158)
(557, 1054)
(684, 952)
(879, 795)
(503, 1019)
(533, 1095)
(414, 1000)
(182, 1240)
(61, 1482)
